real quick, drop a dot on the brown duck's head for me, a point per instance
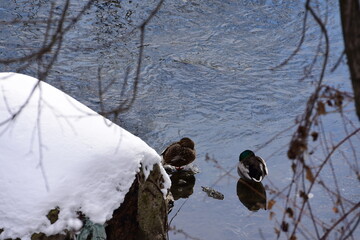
(187, 142)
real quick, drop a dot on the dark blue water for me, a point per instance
(207, 74)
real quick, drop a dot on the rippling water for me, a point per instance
(206, 74)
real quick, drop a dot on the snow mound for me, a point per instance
(56, 152)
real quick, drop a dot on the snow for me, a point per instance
(56, 152)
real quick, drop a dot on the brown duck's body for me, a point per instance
(180, 153)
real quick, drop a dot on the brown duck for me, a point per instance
(180, 153)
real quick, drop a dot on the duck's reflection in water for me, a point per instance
(182, 184)
(251, 194)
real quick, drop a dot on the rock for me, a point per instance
(42, 236)
(213, 193)
(53, 215)
(143, 214)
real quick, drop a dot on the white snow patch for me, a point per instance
(56, 152)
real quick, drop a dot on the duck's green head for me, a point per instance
(246, 154)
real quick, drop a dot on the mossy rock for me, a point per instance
(42, 236)
(152, 210)
(53, 215)
(143, 214)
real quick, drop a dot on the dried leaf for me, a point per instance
(321, 108)
(302, 131)
(314, 136)
(335, 209)
(271, 204)
(290, 212)
(284, 226)
(339, 99)
(309, 175)
(297, 147)
(293, 237)
(271, 215)
(304, 195)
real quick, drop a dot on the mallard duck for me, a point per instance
(180, 153)
(251, 167)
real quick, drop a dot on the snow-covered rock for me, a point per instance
(56, 152)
